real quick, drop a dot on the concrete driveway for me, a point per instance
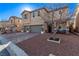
(18, 37)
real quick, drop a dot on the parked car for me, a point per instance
(62, 30)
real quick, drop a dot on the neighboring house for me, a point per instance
(16, 23)
(59, 18)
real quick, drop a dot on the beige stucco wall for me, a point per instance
(38, 20)
(28, 20)
(16, 21)
(56, 15)
(44, 15)
(65, 13)
(26, 13)
(63, 16)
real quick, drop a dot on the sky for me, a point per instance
(15, 9)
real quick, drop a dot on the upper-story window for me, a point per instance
(60, 12)
(25, 16)
(33, 14)
(11, 21)
(38, 13)
(19, 21)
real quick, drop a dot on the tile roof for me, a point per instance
(14, 17)
(46, 9)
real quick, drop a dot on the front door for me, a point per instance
(49, 28)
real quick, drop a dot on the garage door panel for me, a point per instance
(36, 28)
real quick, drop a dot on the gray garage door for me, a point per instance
(36, 28)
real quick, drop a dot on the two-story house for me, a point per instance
(35, 19)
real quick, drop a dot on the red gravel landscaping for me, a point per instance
(39, 46)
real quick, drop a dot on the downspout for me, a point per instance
(30, 22)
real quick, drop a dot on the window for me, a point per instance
(25, 16)
(38, 13)
(33, 14)
(11, 21)
(61, 11)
